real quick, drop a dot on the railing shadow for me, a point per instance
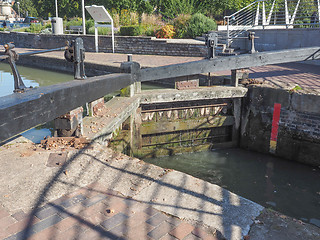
(82, 223)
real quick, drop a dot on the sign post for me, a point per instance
(100, 15)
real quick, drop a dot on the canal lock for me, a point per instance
(169, 128)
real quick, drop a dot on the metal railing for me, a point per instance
(272, 14)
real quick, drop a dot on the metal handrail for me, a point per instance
(243, 8)
(288, 14)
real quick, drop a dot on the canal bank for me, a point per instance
(97, 192)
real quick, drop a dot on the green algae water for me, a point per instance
(288, 187)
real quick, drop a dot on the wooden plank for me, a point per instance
(22, 111)
(229, 63)
(164, 126)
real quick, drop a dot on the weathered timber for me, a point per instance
(181, 125)
(116, 111)
(20, 112)
(228, 63)
(173, 95)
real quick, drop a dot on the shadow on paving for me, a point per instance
(99, 212)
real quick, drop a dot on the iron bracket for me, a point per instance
(251, 37)
(12, 58)
(75, 53)
(211, 43)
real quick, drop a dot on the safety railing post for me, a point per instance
(228, 32)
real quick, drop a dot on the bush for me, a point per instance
(101, 30)
(34, 28)
(151, 19)
(73, 22)
(134, 30)
(116, 18)
(128, 18)
(180, 24)
(166, 31)
(150, 30)
(89, 24)
(199, 24)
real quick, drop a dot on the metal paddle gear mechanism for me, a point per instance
(13, 56)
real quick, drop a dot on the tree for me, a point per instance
(27, 7)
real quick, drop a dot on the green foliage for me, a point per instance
(166, 31)
(171, 8)
(168, 8)
(73, 22)
(150, 30)
(101, 30)
(34, 28)
(295, 89)
(134, 30)
(116, 17)
(180, 24)
(89, 24)
(199, 24)
(128, 18)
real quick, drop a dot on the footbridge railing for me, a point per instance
(22, 111)
(272, 14)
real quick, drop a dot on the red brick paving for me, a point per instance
(183, 230)
(307, 76)
(96, 213)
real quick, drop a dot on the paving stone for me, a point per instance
(201, 233)
(97, 219)
(6, 222)
(21, 235)
(116, 204)
(174, 221)
(49, 233)
(90, 234)
(157, 219)
(97, 208)
(21, 225)
(139, 231)
(72, 233)
(168, 237)
(192, 237)
(137, 219)
(119, 231)
(48, 222)
(114, 221)
(160, 230)
(3, 213)
(65, 224)
(19, 215)
(46, 212)
(151, 211)
(91, 201)
(129, 202)
(182, 230)
(73, 201)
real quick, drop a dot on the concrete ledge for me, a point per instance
(173, 95)
(117, 110)
(184, 196)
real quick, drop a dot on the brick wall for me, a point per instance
(299, 124)
(133, 45)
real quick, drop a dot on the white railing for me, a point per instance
(272, 14)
